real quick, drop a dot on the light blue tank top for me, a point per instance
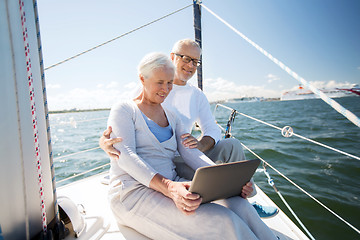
(161, 133)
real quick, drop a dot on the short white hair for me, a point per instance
(152, 61)
(178, 45)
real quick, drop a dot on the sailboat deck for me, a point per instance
(91, 193)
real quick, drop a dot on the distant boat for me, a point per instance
(302, 93)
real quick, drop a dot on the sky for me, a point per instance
(318, 39)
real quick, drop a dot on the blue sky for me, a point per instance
(320, 40)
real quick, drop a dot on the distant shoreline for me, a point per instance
(79, 110)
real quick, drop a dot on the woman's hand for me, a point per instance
(247, 190)
(184, 200)
(106, 143)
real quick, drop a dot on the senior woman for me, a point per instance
(145, 192)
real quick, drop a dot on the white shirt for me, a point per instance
(191, 105)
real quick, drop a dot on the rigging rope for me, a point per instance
(111, 40)
(272, 184)
(297, 135)
(349, 115)
(270, 180)
(301, 189)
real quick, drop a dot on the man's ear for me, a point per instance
(172, 55)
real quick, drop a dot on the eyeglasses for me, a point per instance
(187, 59)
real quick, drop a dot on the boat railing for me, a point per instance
(287, 131)
(74, 123)
(83, 173)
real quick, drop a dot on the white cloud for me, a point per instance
(221, 89)
(271, 78)
(112, 84)
(102, 96)
(132, 85)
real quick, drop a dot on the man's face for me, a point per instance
(184, 71)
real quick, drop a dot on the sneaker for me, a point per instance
(265, 211)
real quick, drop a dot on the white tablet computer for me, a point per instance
(224, 180)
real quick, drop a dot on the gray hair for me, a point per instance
(177, 46)
(153, 61)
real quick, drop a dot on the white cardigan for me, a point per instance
(142, 155)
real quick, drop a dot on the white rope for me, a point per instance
(326, 146)
(297, 135)
(295, 216)
(272, 184)
(349, 115)
(301, 189)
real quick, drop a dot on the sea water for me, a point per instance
(330, 177)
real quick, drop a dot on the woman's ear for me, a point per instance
(142, 79)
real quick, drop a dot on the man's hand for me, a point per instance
(203, 145)
(106, 143)
(189, 141)
(247, 190)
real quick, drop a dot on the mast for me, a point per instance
(197, 28)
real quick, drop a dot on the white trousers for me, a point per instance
(226, 151)
(156, 216)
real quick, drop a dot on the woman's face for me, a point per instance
(158, 85)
